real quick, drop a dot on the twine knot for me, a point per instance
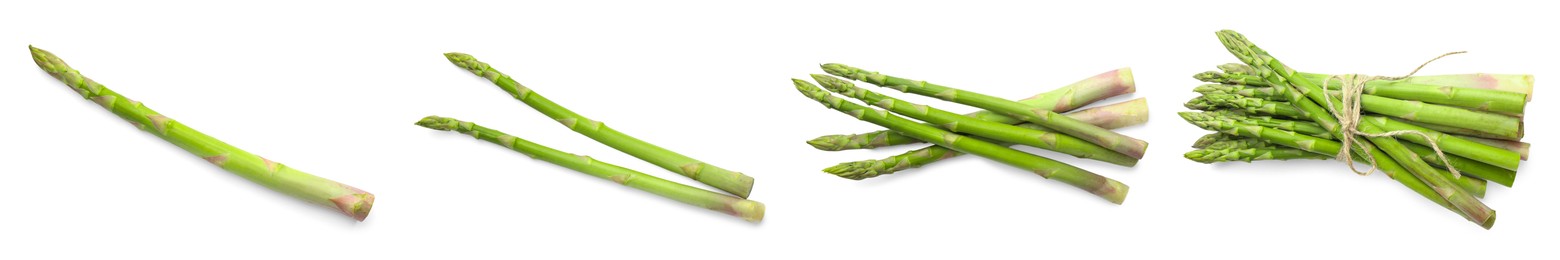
(1351, 89)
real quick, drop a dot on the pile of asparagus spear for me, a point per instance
(1035, 121)
(1262, 109)
(734, 183)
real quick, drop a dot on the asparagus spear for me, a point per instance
(276, 176)
(1518, 147)
(733, 182)
(1112, 116)
(1468, 167)
(1496, 124)
(1075, 95)
(1306, 128)
(1210, 101)
(751, 211)
(970, 125)
(1111, 190)
(1229, 151)
(1043, 117)
(1266, 93)
(1471, 98)
(1521, 84)
(1278, 74)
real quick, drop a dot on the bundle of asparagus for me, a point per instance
(1033, 121)
(1442, 136)
(732, 182)
(351, 201)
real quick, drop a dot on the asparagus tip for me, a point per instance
(828, 142)
(857, 170)
(438, 123)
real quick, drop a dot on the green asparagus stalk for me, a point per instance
(733, 182)
(1043, 117)
(1306, 128)
(1248, 104)
(1266, 93)
(1107, 188)
(1497, 124)
(751, 211)
(1134, 110)
(976, 127)
(1112, 116)
(1504, 82)
(1075, 95)
(276, 176)
(1461, 131)
(1282, 75)
(1226, 148)
(1472, 98)
(1518, 147)
(1521, 84)
(1213, 138)
(1450, 144)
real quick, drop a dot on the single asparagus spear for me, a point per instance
(1471, 98)
(1519, 147)
(733, 182)
(1222, 145)
(976, 127)
(751, 211)
(276, 176)
(1210, 101)
(1107, 188)
(1112, 116)
(1462, 131)
(1043, 117)
(1075, 95)
(1266, 93)
(1497, 124)
(1278, 74)
(1248, 150)
(1522, 84)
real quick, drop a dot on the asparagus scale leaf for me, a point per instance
(751, 211)
(730, 181)
(351, 201)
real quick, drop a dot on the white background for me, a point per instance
(333, 89)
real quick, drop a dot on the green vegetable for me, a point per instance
(752, 211)
(1212, 101)
(1043, 117)
(1519, 147)
(1278, 74)
(1075, 95)
(970, 125)
(276, 176)
(1521, 84)
(1471, 98)
(1450, 144)
(1242, 151)
(733, 182)
(1315, 145)
(1266, 93)
(1496, 124)
(1107, 188)
(1134, 111)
